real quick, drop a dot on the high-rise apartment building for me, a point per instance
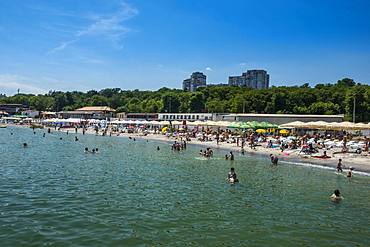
(197, 79)
(258, 79)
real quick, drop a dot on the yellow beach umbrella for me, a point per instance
(164, 129)
(284, 132)
(261, 131)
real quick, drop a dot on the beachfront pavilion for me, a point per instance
(89, 112)
(279, 118)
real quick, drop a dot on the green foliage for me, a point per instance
(322, 99)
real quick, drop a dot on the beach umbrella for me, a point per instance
(264, 125)
(205, 123)
(223, 123)
(284, 132)
(345, 126)
(213, 123)
(317, 125)
(154, 123)
(164, 123)
(164, 129)
(245, 125)
(176, 122)
(195, 123)
(295, 124)
(261, 131)
(235, 125)
(362, 126)
(253, 124)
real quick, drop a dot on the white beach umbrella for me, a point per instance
(154, 123)
(342, 126)
(295, 124)
(195, 123)
(362, 126)
(164, 123)
(176, 122)
(223, 123)
(317, 125)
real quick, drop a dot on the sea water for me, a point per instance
(130, 194)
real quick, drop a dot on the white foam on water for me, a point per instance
(322, 167)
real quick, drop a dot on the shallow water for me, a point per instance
(130, 194)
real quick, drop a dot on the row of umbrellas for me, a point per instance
(327, 125)
(252, 125)
(240, 125)
(259, 126)
(71, 120)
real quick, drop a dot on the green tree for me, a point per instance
(196, 103)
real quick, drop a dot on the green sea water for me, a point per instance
(130, 194)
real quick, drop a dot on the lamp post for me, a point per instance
(354, 108)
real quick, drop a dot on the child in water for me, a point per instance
(335, 197)
(350, 174)
(231, 176)
(339, 166)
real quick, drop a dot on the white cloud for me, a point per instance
(11, 83)
(109, 27)
(62, 46)
(209, 69)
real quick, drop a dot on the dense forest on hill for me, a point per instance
(338, 98)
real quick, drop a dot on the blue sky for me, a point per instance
(94, 44)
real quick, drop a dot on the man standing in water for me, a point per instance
(274, 159)
(231, 155)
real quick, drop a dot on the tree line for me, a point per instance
(337, 98)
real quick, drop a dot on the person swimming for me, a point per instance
(76, 138)
(93, 151)
(43, 135)
(231, 176)
(336, 197)
(86, 150)
(158, 148)
(350, 172)
(25, 145)
(226, 157)
(60, 138)
(96, 150)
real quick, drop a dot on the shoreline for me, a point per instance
(361, 166)
(359, 169)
